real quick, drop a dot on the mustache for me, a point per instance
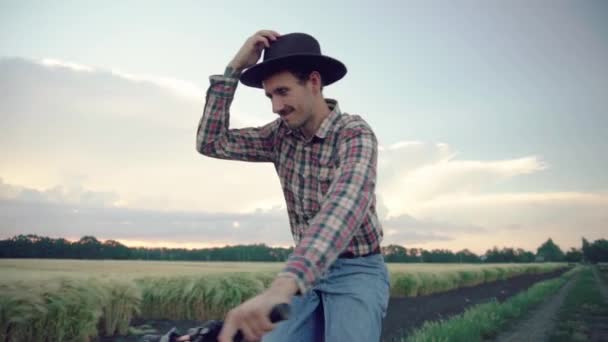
(286, 111)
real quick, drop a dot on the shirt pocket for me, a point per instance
(326, 175)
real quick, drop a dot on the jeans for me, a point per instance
(347, 304)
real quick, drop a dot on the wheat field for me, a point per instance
(80, 299)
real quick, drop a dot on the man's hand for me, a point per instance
(252, 317)
(251, 51)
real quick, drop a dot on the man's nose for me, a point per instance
(277, 106)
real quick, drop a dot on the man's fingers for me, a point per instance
(250, 334)
(260, 327)
(228, 331)
(272, 36)
(267, 36)
(269, 33)
(265, 325)
(259, 40)
(252, 330)
(263, 38)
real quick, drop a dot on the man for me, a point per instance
(335, 280)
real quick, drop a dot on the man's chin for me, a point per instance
(291, 124)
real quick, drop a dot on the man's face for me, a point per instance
(291, 100)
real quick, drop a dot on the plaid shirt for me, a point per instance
(328, 181)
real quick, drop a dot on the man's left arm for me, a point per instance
(347, 202)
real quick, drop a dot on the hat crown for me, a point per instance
(292, 44)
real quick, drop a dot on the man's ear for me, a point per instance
(315, 79)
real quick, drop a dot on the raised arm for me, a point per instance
(214, 138)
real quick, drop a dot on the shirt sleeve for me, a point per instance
(215, 139)
(343, 211)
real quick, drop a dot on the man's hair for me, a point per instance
(301, 73)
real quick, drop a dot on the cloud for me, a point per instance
(170, 227)
(431, 198)
(556, 212)
(60, 64)
(177, 87)
(118, 150)
(407, 230)
(76, 195)
(523, 221)
(126, 135)
(76, 212)
(413, 174)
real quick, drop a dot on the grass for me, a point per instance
(198, 298)
(66, 309)
(582, 306)
(486, 320)
(43, 299)
(44, 269)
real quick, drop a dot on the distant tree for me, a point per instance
(415, 255)
(508, 254)
(439, 256)
(394, 253)
(115, 250)
(88, 247)
(494, 255)
(595, 252)
(523, 256)
(467, 256)
(549, 251)
(574, 255)
(63, 249)
(601, 250)
(586, 249)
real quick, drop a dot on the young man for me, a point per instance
(335, 280)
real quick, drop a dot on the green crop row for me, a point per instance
(484, 321)
(411, 284)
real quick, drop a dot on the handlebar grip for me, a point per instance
(280, 312)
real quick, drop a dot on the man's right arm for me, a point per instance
(215, 139)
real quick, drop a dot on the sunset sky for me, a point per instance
(492, 118)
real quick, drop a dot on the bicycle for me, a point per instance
(210, 330)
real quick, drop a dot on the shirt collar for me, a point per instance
(329, 121)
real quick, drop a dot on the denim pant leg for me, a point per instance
(355, 297)
(305, 323)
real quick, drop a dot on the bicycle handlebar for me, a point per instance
(209, 331)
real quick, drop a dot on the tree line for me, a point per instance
(89, 247)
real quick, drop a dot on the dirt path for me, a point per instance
(599, 324)
(406, 314)
(541, 320)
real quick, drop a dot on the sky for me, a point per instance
(490, 115)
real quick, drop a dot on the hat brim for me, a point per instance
(331, 69)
